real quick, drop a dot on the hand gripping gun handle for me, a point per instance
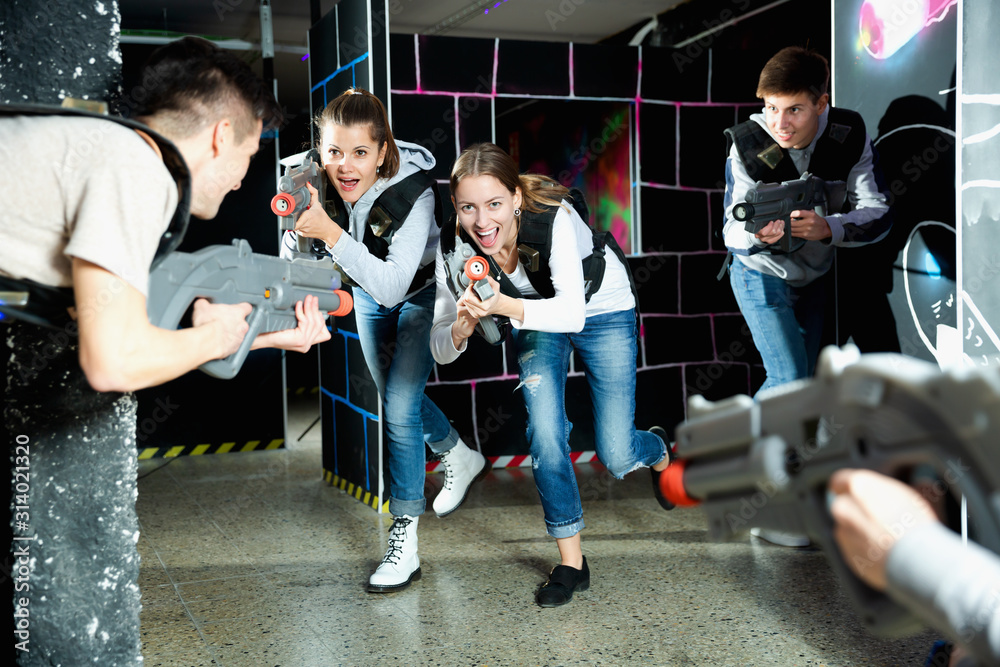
(766, 463)
(464, 267)
(234, 274)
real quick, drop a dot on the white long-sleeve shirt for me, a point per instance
(567, 310)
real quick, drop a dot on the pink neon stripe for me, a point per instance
(400, 91)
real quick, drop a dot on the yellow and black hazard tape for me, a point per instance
(198, 450)
(352, 489)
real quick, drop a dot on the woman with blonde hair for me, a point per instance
(378, 224)
(540, 251)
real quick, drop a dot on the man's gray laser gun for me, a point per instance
(464, 267)
(766, 463)
(293, 196)
(234, 274)
(776, 201)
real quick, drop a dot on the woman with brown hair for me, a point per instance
(547, 302)
(392, 268)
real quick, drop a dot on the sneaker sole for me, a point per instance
(482, 473)
(389, 588)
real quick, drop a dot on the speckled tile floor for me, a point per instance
(251, 559)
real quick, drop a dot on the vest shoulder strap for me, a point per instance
(534, 247)
(392, 206)
(840, 147)
(761, 155)
(390, 210)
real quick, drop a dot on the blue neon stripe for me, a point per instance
(347, 371)
(333, 416)
(350, 64)
(341, 399)
(346, 401)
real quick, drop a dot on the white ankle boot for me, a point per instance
(462, 467)
(400, 565)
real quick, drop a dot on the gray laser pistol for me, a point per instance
(464, 267)
(293, 196)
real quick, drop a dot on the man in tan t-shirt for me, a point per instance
(86, 203)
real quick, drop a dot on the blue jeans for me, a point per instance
(607, 345)
(396, 344)
(786, 322)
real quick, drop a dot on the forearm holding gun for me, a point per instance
(766, 463)
(293, 196)
(464, 267)
(776, 201)
(234, 274)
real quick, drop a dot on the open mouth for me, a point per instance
(488, 238)
(348, 184)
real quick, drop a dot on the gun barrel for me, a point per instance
(761, 465)
(316, 274)
(290, 203)
(768, 210)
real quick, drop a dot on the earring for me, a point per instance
(517, 213)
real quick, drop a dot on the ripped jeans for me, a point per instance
(607, 346)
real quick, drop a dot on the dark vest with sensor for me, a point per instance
(534, 249)
(388, 213)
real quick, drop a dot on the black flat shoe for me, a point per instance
(664, 503)
(563, 581)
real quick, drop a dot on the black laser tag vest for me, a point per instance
(46, 305)
(387, 215)
(534, 248)
(837, 151)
